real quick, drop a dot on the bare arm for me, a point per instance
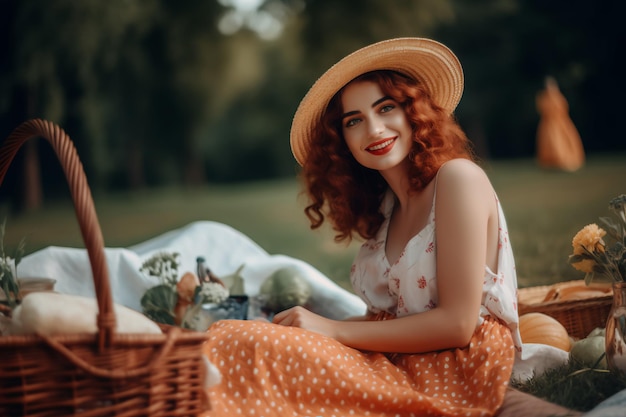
(465, 203)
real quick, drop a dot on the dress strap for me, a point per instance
(432, 206)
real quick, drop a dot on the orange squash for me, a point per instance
(541, 328)
(186, 289)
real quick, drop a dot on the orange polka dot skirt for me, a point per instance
(271, 370)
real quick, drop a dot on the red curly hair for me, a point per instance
(349, 194)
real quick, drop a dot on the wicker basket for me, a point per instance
(105, 374)
(579, 316)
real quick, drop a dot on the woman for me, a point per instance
(383, 160)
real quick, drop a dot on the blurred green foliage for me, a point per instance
(159, 93)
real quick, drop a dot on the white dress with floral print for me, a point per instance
(409, 286)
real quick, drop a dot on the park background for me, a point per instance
(180, 111)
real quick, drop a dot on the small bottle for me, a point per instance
(201, 270)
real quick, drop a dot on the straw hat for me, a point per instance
(428, 61)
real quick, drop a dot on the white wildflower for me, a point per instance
(212, 292)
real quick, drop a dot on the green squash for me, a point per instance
(285, 288)
(588, 351)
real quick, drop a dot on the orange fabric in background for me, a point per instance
(271, 370)
(558, 141)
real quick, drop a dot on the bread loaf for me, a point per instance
(50, 313)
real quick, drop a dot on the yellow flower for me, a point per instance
(593, 256)
(585, 265)
(588, 241)
(589, 238)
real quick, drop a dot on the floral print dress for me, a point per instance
(409, 286)
(272, 370)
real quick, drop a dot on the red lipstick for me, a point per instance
(381, 147)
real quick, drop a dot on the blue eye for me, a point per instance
(352, 122)
(386, 108)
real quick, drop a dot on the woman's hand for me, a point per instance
(305, 319)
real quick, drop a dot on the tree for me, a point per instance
(125, 79)
(64, 52)
(508, 47)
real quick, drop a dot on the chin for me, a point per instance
(387, 164)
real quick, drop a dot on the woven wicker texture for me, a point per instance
(578, 316)
(105, 374)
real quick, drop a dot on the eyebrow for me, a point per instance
(374, 104)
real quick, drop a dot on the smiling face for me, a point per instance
(374, 126)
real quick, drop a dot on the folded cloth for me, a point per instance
(536, 359)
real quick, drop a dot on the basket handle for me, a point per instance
(83, 205)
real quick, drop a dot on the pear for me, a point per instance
(235, 282)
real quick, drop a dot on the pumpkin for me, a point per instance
(541, 328)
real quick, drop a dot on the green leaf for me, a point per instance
(19, 251)
(574, 259)
(158, 303)
(160, 295)
(8, 269)
(8, 283)
(600, 269)
(612, 228)
(160, 316)
(2, 230)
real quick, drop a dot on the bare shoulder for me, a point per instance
(463, 183)
(462, 173)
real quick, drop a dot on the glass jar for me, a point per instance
(615, 339)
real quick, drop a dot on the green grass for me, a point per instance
(544, 210)
(270, 213)
(574, 386)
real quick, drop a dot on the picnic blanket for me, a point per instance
(225, 250)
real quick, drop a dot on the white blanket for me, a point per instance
(225, 249)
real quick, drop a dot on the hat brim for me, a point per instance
(431, 63)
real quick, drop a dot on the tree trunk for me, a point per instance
(32, 193)
(135, 167)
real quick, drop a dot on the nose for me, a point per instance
(376, 127)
